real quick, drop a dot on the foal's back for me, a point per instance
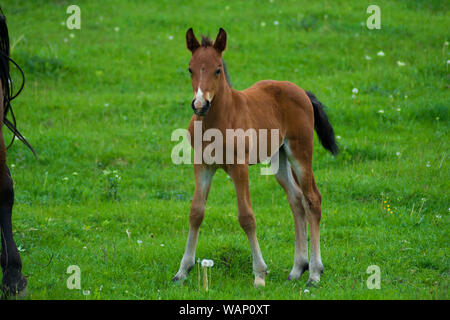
(279, 105)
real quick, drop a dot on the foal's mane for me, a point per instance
(207, 42)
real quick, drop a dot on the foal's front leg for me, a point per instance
(203, 178)
(239, 174)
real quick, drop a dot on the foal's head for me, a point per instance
(206, 69)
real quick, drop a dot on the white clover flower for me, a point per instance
(106, 104)
(355, 90)
(428, 164)
(338, 137)
(306, 291)
(398, 109)
(170, 37)
(139, 241)
(72, 35)
(65, 178)
(13, 165)
(63, 23)
(368, 57)
(398, 153)
(86, 292)
(275, 23)
(438, 216)
(75, 173)
(381, 111)
(263, 24)
(380, 54)
(162, 244)
(401, 64)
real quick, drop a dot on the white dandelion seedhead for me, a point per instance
(207, 263)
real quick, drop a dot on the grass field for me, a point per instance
(100, 105)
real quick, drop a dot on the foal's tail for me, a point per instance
(322, 125)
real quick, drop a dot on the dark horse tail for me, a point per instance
(323, 126)
(7, 84)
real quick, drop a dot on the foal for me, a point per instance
(13, 281)
(270, 105)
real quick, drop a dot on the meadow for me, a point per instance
(100, 104)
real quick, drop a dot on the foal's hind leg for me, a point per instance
(286, 179)
(13, 281)
(239, 174)
(300, 156)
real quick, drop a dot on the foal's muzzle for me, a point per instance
(204, 110)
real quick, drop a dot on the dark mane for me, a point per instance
(206, 42)
(225, 70)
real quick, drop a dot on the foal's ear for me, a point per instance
(191, 41)
(221, 41)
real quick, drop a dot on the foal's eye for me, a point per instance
(218, 71)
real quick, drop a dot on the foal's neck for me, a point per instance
(221, 104)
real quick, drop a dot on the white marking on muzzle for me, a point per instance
(199, 100)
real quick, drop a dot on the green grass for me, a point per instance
(109, 100)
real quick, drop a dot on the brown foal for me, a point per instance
(269, 105)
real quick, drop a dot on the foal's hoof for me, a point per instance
(296, 273)
(259, 282)
(179, 278)
(13, 283)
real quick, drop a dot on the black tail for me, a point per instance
(7, 84)
(323, 126)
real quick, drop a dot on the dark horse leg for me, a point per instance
(13, 281)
